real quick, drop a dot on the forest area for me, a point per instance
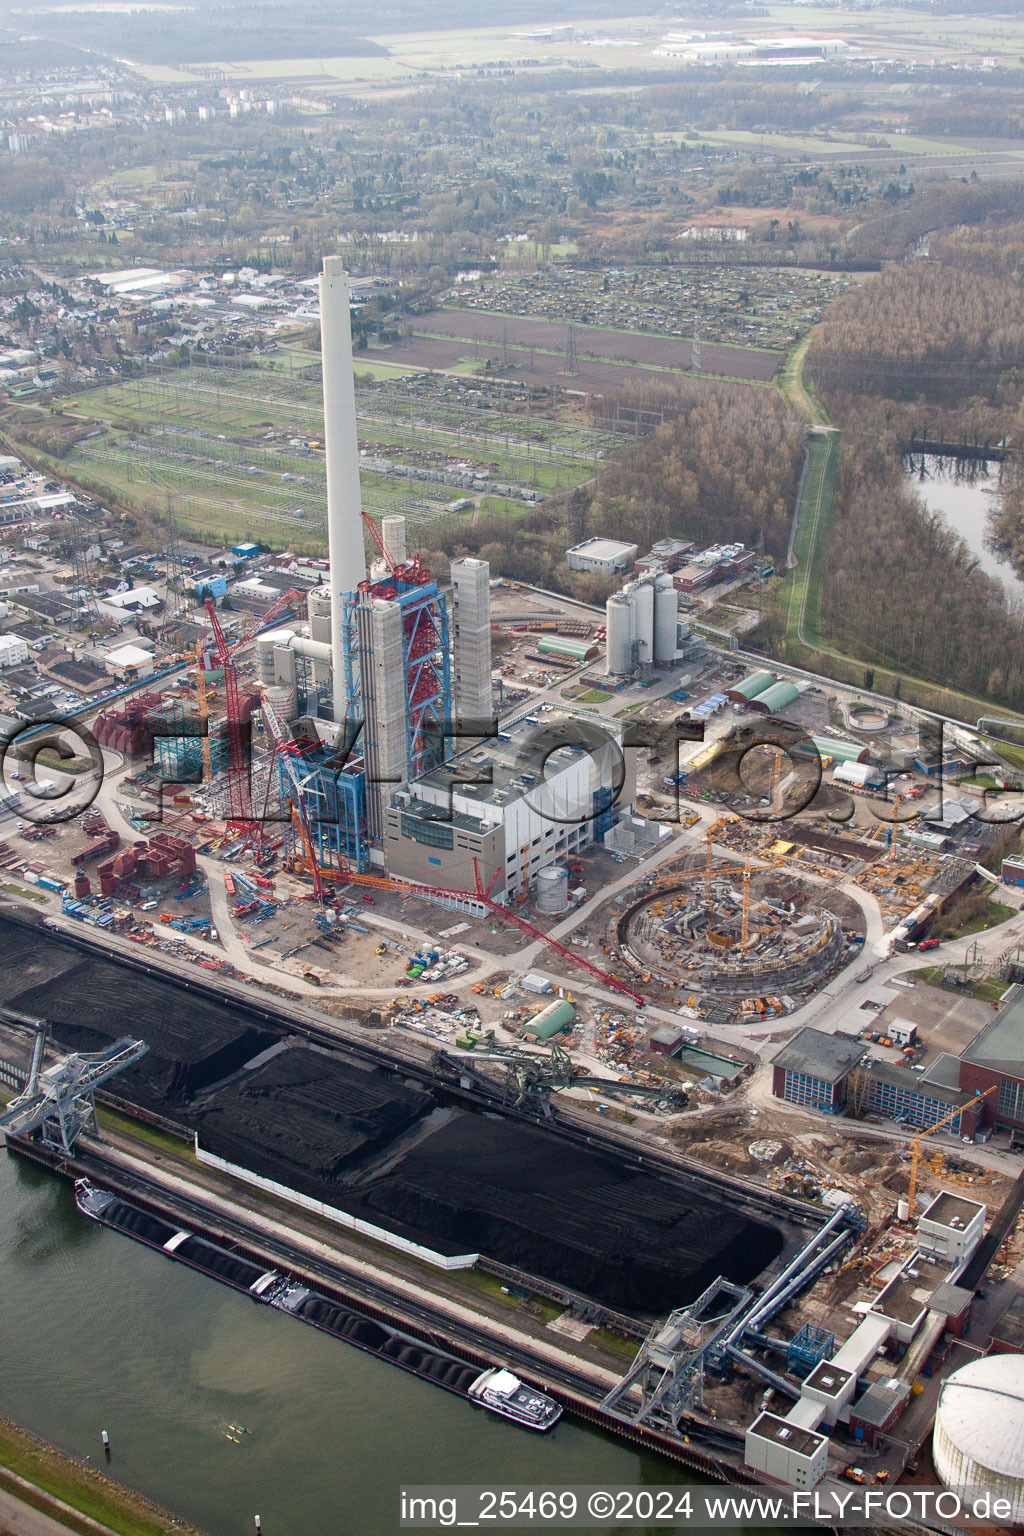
(928, 348)
(722, 466)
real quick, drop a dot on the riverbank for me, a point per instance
(79, 1498)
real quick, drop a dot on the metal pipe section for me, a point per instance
(763, 1308)
(765, 1371)
(344, 499)
(766, 1311)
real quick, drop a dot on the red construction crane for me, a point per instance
(286, 752)
(545, 938)
(240, 811)
(412, 571)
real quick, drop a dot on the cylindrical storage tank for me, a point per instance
(666, 609)
(978, 1441)
(552, 889)
(553, 1020)
(775, 698)
(643, 596)
(619, 621)
(284, 701)
(392, 530)
(265, 647)
(750, 687)
(903, 1209)
(83, 885)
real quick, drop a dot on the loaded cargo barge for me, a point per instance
(495, 1389)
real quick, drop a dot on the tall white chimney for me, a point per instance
(341, 440)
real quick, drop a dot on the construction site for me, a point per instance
(364, 929)
(739, 939)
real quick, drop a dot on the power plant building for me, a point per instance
(511, 806)
(399, 674)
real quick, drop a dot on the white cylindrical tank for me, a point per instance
(903, 1209)
(642, 595)
(265, 647)
(618, 615)
(392, 531)
(552, 888)
(344, 521)
(666, 607)
(978, 1441)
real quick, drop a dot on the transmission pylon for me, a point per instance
(83, 582)
(506, 348)
(695, 353)
(572, 365)
(175, 557)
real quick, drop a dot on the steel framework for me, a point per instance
(669, 1368)
(60, 1101)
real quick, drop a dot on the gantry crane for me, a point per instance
(915, 1154)
(240, 809)
(61, 1100)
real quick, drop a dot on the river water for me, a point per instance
(964, 493)
(98, 1332)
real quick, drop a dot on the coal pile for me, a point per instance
(635, 1241)
(193, 1041)
(460, 1182)
(306, 1115)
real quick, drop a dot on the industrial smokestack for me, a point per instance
(344, 500)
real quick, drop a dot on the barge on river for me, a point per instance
(495, 1389)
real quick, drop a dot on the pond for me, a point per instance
(964, 493)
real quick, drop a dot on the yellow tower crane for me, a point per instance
(709, 859)
(745, 921)
(915, 1155)
(775, 783)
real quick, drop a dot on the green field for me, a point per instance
(214, 443)
(900, 145)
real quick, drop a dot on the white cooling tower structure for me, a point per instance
(666, 610)
(392, 531)
(619, 644)
(642, 595)
(344, 500)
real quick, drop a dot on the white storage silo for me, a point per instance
(552, 889)
(642, 594)
(978, 1441)
(620, 633)
(392, 530)
(666, 609)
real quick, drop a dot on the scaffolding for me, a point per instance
(809, 1348)
(333, 792)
